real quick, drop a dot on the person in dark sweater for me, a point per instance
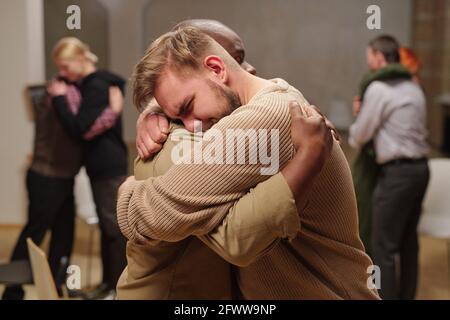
(105, 156)
(57, 158)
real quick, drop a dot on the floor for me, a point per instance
(434, 279)
(82, 251)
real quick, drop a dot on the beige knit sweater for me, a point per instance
(325, 261)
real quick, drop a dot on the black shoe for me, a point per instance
(13, 293)
(108, 295)
(97, 293)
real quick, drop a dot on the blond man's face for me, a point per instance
(196, 98)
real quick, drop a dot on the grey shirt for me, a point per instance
(393, 114)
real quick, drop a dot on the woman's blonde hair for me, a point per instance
(70, 48)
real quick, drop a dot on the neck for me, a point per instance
(89, 68)
(247, 85)
(383, 64)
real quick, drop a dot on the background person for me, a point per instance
(57, 158)
(365, 168)
(393, 115)
(105, 156)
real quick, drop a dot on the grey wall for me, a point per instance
(94, 29)
(21, 64)
(318, 46)
(125, 20)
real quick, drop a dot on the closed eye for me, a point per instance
(239, 59)
(186, 108)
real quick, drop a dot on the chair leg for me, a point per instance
(89, 262)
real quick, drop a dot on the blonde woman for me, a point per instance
(105, 155)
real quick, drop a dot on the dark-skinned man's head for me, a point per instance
(191, 76)
(226, 37)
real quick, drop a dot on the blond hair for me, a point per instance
(178, 49)
(70, 48)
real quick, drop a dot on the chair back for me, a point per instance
(42, 276)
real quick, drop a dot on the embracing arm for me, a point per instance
(104, 122)
(67, 101)
(191, 199)
(270, 211)
(94, 101)
(252, 225)
(109, 116)
(152, 129)
(255, 223)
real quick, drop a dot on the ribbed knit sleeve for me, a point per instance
(191, 199)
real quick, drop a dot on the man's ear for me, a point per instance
(216, 66)
(380, 58)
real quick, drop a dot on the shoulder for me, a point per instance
(273, 106)
(410, 86)
(101, 80)
(156, 166)
(410, 92)
(94, 83)
(378, 92)
(378, 86)
(143, 169)
(110, 78)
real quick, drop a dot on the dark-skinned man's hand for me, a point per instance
(152, 129)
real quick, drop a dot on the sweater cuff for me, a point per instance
(277, 205)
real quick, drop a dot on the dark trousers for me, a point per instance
(50, 207)
(397, 202)
(113, 243)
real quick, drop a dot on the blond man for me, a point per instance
(195, 80)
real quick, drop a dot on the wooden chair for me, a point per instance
(42, 276)
(435, 219)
